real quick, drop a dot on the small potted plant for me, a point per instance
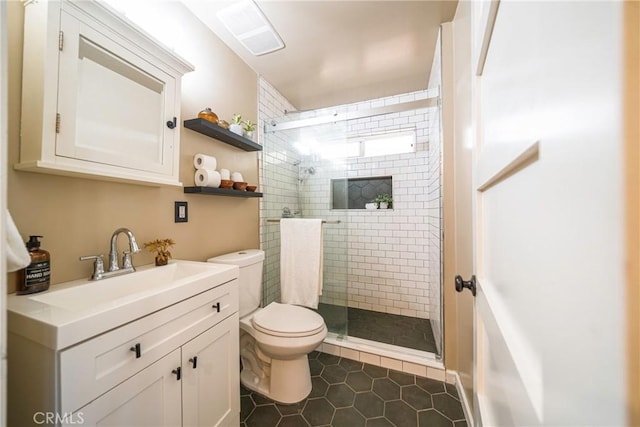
(236, 124)
(161, 248)
(249, 128)
(384, 201)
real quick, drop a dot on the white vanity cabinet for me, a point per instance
(216, 373)
(172, 392)
(100, 98)
(178, 365)
(152, 397)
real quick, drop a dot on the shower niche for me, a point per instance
(355, 193)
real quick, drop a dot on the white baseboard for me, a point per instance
(468, 413)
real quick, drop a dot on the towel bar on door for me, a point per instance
(337, 221)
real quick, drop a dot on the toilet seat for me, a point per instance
(285, 320)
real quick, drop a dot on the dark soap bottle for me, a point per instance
(36, 276)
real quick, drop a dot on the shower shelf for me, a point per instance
(221, 192)
(216, 132)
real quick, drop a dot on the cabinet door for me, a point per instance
(149, 398)
(113, 105)
(211, 389)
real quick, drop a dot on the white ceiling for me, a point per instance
(339, 51)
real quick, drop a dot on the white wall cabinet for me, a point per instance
(99, 96)
(175, 366)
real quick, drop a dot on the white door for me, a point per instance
(150, 398)
(549, 228)
(211, 383)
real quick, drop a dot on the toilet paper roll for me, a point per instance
(236, 177)
(207, 178)
(225, 174)
(202, 161)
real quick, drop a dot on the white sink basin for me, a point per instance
(71, 312)
(118, 290)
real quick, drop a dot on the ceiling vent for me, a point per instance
(246, 22)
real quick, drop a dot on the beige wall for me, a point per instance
(77, 216)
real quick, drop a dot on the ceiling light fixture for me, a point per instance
(246, 22)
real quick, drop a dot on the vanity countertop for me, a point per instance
(74, 311)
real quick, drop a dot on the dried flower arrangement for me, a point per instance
(161, 248)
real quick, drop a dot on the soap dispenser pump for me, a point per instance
(36, 276)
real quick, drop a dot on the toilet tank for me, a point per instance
(250, 280)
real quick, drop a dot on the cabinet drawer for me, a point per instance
(97, 365)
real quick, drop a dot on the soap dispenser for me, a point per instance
(36, 276)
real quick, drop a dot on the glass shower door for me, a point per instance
(297, 171)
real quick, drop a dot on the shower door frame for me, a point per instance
(335, 117)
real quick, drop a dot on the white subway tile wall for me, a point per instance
(376, 260)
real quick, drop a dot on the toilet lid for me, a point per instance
(287, 320)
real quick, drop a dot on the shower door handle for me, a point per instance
(468, 284)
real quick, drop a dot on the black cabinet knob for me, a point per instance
(178, 373)
(194, 360)
(137, 349)
(216, 306)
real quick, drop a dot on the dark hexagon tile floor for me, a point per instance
(387, 328)
(347, 393)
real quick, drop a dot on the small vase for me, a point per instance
(383, 205)
(237, 129)
(248, 134)
(161, 260)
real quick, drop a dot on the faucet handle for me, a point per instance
(98, 265)
(126, 259)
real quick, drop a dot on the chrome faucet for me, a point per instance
(126, 259)
(114, 269)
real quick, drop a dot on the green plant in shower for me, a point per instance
(383, 198)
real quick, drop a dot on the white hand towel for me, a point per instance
(17, 254)
(301, 261)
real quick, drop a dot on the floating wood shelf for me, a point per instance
(216, 132)
(221, 192)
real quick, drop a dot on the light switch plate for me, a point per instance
(181, 212)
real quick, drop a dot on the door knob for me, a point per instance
(469, 284)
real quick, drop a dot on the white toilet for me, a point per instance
(275, 340)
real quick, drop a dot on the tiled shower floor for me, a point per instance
(347, 393)
(404, 331)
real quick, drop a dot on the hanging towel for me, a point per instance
(301, 261)
(17, 254)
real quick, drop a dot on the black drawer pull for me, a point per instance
(136, 348)
(194, 360)
(216, 306)
(178, 372)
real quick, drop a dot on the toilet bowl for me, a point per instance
(281, 347)
(274, 340)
